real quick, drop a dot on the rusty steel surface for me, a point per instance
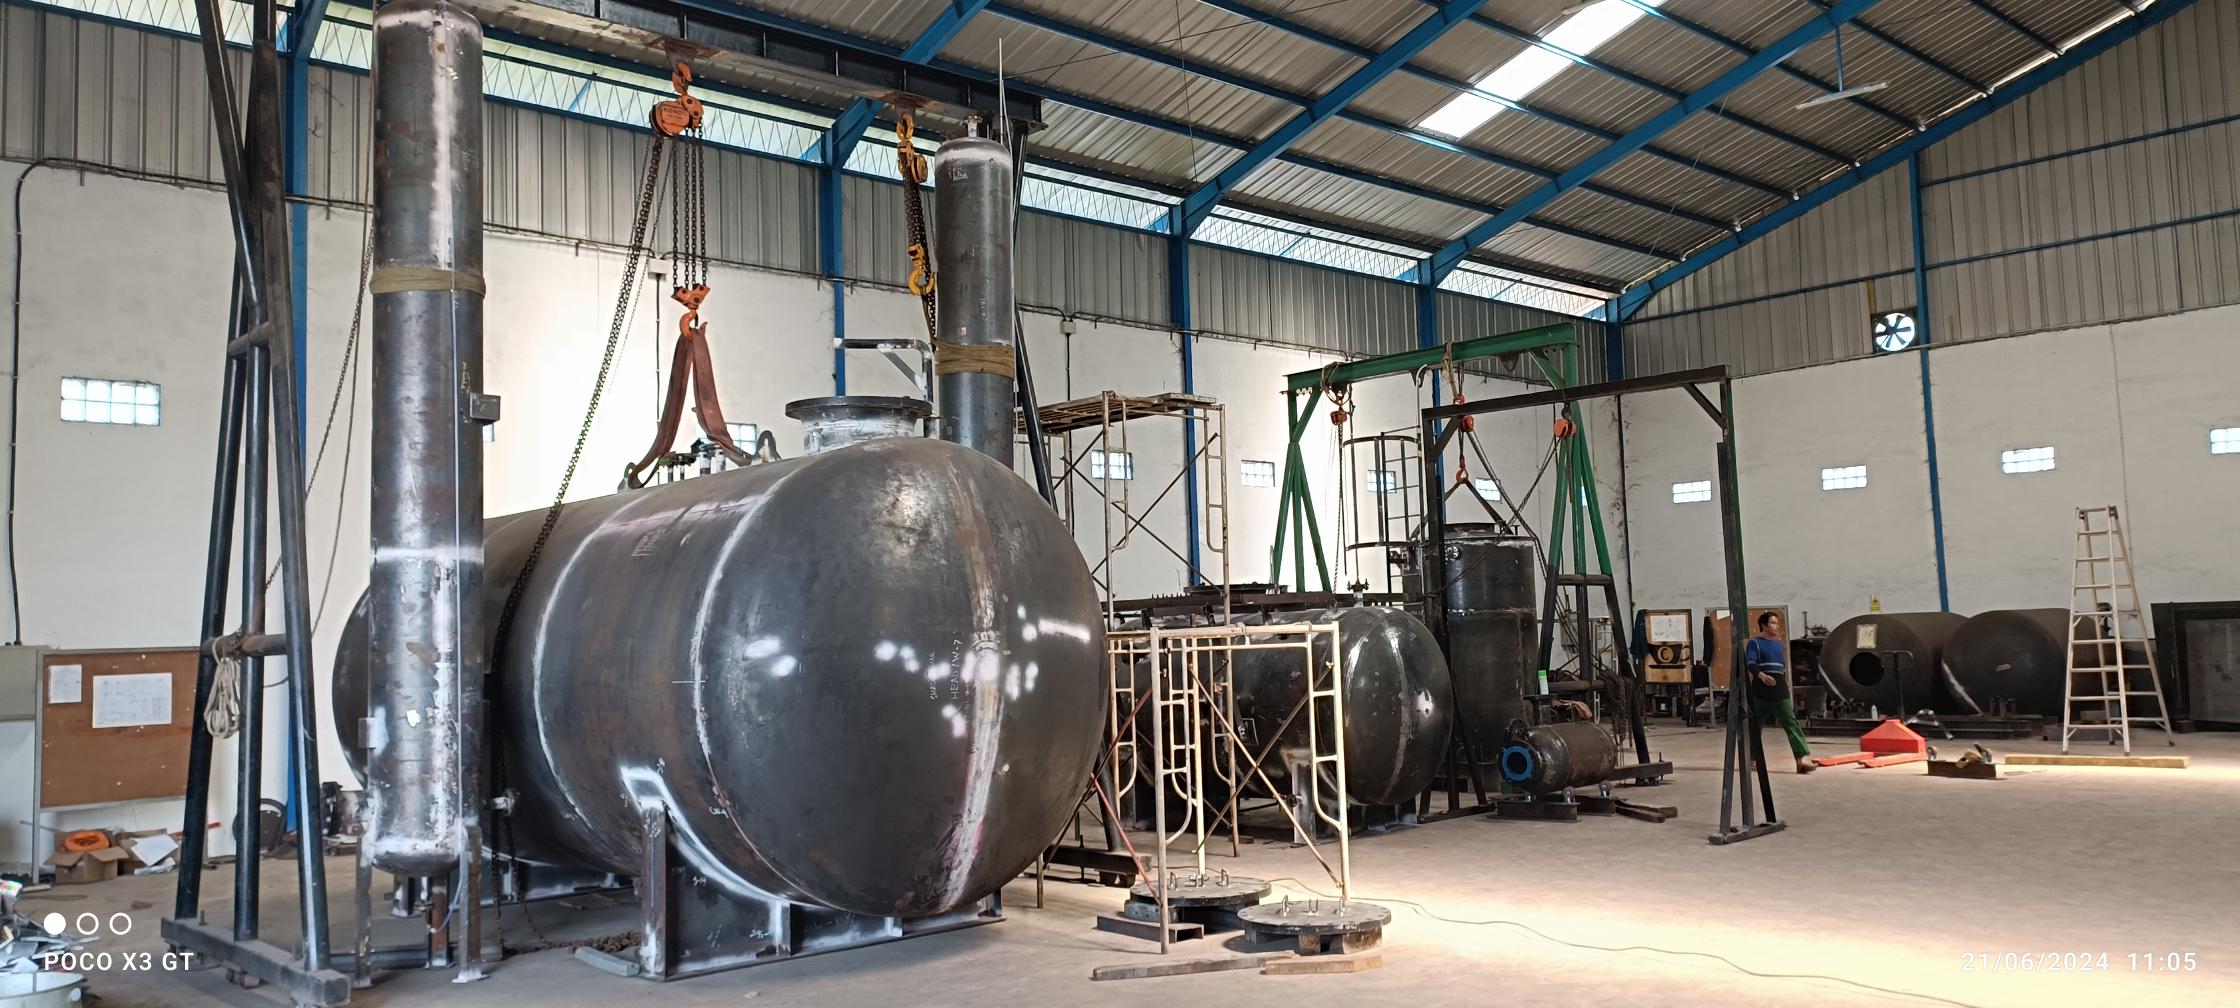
(1550, 758)
(865, 679)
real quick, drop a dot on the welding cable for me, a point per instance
(1544, 936)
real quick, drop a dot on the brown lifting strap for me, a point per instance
(690, 360)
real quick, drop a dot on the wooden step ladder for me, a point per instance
(2110, 641)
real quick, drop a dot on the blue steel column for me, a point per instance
(832, 260)
(302, 33)
(1928, 399)
(1178, 315)
(1613, 344)
(1427, 334)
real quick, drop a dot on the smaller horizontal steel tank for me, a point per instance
(1550, 758)
(1892, 660)
(1395, 691)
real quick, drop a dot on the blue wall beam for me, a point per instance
(301, 33)
(2016, 26)
(1630, 302)
(840, 141)
(1179, 315)
(1446, 259)
(1928, 398)
(1102, 40)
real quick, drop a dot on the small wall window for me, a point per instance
(108, 401)
(2224, 441)
(1894, 330)
(1844, 478)
(744, 434)
(1254, 473)
(1383, 481)
(1487, 489)
(2026, 460)
(1695, 492)
(1116, 465)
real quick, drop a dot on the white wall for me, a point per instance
(2127, 407)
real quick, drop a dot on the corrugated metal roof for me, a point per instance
(1273, 46)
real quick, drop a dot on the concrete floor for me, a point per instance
(1886, 878)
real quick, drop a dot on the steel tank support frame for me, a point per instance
(1744, 746)
(259, 422)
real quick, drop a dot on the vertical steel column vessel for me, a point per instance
(1491, 618)
(425, 597)
(974, 306)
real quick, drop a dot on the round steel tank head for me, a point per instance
(829, 422)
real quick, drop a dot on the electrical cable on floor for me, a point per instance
(1544, 936)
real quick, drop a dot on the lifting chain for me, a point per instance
(633, 261)
(915, 171)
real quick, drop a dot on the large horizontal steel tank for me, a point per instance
(868, 679)
(1891, 660)
(1395, 693)
(1492, 627)
(2015, 659)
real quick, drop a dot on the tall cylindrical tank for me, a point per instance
(1550, 758)
(1891, 660)
(1395, 691)
(2018, 656)
(868, 679)
(975, 312)
(426, 348)
(1491, 627)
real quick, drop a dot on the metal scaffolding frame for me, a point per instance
(1107, 418)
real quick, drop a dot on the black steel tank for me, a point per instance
(1550, 758)
(1395, 694)
(867, 679)
(2012, 659)
(1492, 626)
(1893, 661)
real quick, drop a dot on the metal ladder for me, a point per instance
(2109, 638)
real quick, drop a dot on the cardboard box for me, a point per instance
(80, 867)
(146, 849)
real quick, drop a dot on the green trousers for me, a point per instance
(1784, 712)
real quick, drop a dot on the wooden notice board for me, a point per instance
(1720, 628)
(107, 732)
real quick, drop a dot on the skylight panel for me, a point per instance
(1583, 32)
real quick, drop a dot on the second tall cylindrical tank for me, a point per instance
(1491, 621)
(972, 240)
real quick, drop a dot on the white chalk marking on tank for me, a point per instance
(784, 666)
(983, 664)
(703, 617)
(1033, 669)
(886, 650)
(763, 647)
(1064, 628)
(1011, 681)
(560, 576)
(937, 671)
(412, 717)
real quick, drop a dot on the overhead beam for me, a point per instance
(1446, 259)
(1736, 45)
(1630, 301)
(1902, 46)
(2015, 25)
(1198, 205)
(1103, 40)
(840, 140)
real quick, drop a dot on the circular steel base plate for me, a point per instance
(1204, 891)
(1315, 917)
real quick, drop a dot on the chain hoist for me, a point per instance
(915, 171)
(681, 119)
